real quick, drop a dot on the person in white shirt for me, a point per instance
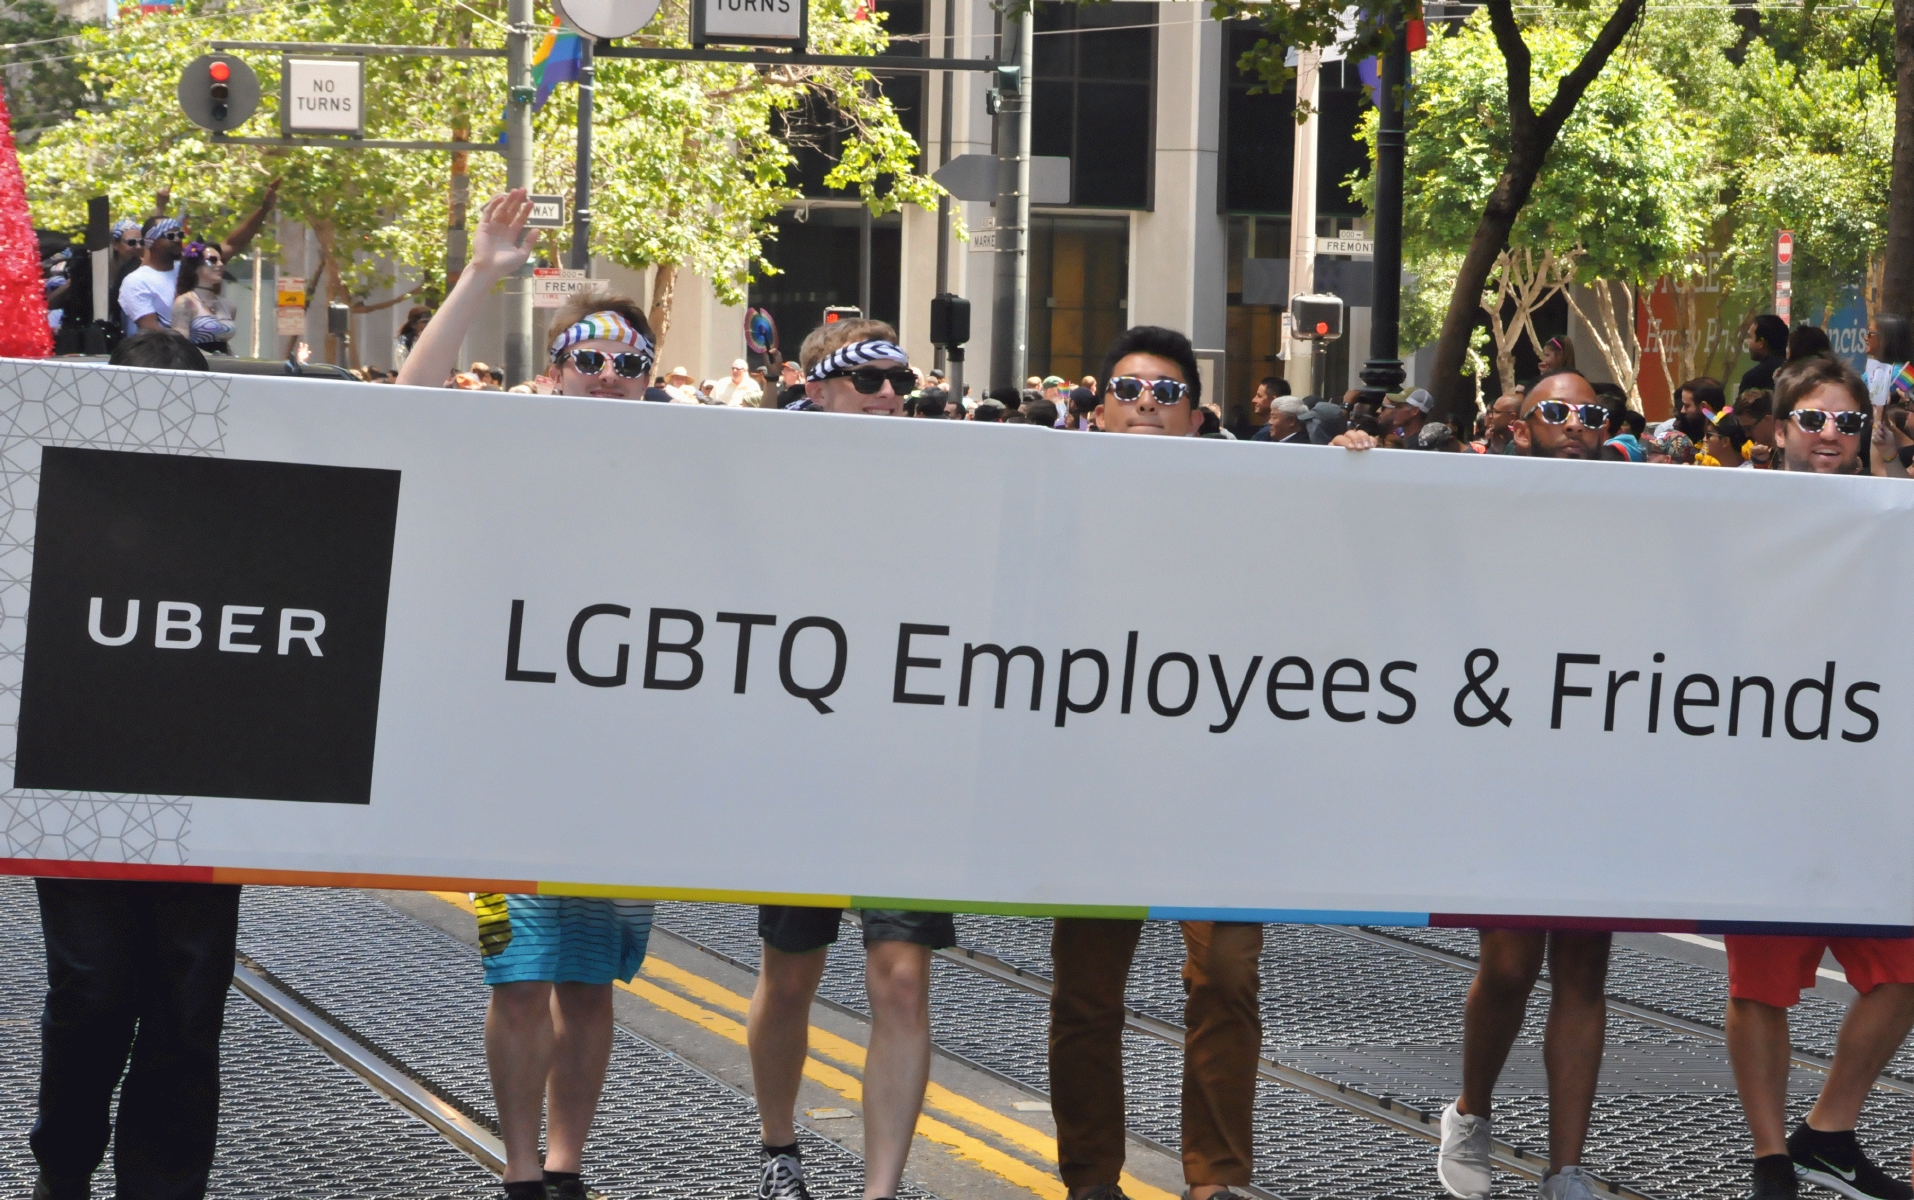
(739, 389)
(680, 388)
(146, 296)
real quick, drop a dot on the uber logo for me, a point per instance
(205, 627)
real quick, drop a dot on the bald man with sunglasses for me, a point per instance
(1561, 417)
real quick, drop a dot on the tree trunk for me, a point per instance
(664, 282)
(1621, 348)
(1897, 282)
(1531, 136)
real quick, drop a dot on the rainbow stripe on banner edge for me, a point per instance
(82, 869)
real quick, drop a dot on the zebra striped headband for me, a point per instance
(601, 327)
(856, 354)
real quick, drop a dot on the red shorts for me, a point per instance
(1775, 970)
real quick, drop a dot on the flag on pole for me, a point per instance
(560, 59)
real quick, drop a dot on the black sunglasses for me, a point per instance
(592, 362)
(869, 380)
(1813, 420)
(1556, 412)
(1167, 392)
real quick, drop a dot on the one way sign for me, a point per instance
(548, 212)
(974, 177)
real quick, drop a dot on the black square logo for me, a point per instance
(205, 627)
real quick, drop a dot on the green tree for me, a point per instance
(44, 83)
(687, 171)
(1625, 193)
(1531, 132)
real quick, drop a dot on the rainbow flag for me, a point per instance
(560, 58)
(1903, 381)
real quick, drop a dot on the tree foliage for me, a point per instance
(687, 168)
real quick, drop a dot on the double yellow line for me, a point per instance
(699, 1001)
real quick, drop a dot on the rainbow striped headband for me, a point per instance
(602, 327)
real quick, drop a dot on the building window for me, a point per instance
(1259, 135)
(1093, 98)
(1079, 291)
(817, 268)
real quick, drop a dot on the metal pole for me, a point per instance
(1383, 372)
(943, 156)
(1298, 352)
(518, 174)
(581, 178)
(258, 285)
(1010, 304)
(864, 259)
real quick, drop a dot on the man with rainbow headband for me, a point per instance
(550, 960)
(849, 367)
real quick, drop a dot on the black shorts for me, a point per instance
(796, 930)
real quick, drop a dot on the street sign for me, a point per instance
(609, 18)
(291, 309)
(1784, 247)
(974, 177)
(322, 95)
(548, 212)
(552, 286)
(1350, 244)
(750, 23)
(218, 92)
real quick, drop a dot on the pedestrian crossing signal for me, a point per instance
(841, 312)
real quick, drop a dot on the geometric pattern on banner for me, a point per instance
(61, 404)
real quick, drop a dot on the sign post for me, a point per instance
(1784, 275)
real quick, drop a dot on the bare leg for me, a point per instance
(1510, 962)
(581, 1050)
(778, 1034)
(1572, 1044)
(897, 976)
(518, 1049)
(1758, 1048)
(1871, 1033)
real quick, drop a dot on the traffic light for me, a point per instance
(1318, 317)
(221, 74)
(218, 92)
(841, 312)
(949, 320)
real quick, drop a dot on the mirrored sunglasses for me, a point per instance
(592, 362)
(1166, 392)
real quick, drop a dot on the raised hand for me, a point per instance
(498, 246)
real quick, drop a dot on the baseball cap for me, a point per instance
(1051, 381)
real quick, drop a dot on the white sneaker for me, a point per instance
(1463, 1162)
(1569, 1183)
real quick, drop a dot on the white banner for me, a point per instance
(323, 632)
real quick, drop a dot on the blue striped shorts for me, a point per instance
(561, 939)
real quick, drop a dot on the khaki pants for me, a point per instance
(1225, 1035)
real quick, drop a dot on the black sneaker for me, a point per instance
(1774, 1179)
(1837, 1162)
(783, 1179)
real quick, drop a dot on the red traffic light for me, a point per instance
(220, 72)
(1322, 327)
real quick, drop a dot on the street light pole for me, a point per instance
(1010, 305)
(1383, 372)
(581, 175)
(518, 174)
